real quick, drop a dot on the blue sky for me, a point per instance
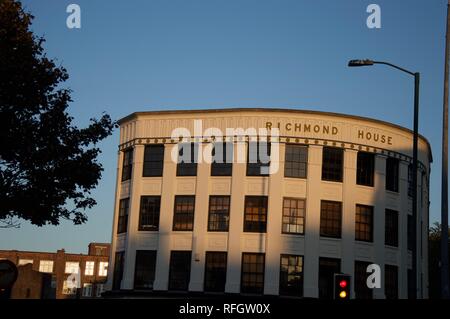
(164, 54)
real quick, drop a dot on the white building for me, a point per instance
(336, 200)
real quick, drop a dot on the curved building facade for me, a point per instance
(276, 202)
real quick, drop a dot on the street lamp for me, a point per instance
(367, 62)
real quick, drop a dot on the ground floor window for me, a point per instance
(291, 275)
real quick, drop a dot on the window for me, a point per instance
(222, 159)
(219, 213)
(122, 222)
(365, 169)
(361, 289)
(127, 164)
(25, 261)
(364, 223)
(187, 159)
(410, 180)
(258, 159)
(144, 273)
(183, 217)
(327, 268)
(330, 219)
(252, 277)
(72, 267)
(99, 289)
(295, 161)
(149, 213)
(179, 270)
(391, 281)
(89, 268)
(332, 164)
(69, 288)
(118, 270)
(153, 160)
(255, 214)
(46, 266)
(391, 228)
(293, 216)
(215, 271)
(392, 174)
(291, 275)
(103, 268)
(410, 230)
(87, 290)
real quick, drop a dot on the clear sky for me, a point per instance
(164, 54)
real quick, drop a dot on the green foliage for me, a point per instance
(45, 161)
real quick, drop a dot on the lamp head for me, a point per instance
(366, 62)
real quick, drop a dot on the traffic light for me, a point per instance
(342, 286)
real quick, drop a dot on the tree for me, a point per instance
(434, 264)
(46, 163)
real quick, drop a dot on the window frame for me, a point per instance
(153, 167)
(149, 210)
(298, 162)
(187, 168)
(249, 225)
(188, 216)
(91, 269)
(392, 174)
(127, 164)
(44, 266)
(247, 289)
(328, 170)
(254, 169)
(391, 232)
(284, 289)
(365, 169)
(303, 217)
(211, 283)
(211, 213)
(122, 219)
(330, 233)
(145, 269)
(186, 268)
(225, 168)
(67, 268)
(361, 223)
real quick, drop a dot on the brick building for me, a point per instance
(59, 275)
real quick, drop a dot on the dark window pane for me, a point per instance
(123, 215)
(118, 270)
(327, 268)
(179, 270)
(183, 217)
(392, 174)
(295, 161)
(410, 180)
(291, 275)
(144, 273)
(330, 219)
(255, 214)
(149, 213)
(391, 282)
(361, 289)
(410, 232)
(187, 159)
(252, 276)
(219, 213)
(293, 216)
(215, 271)
(258, 158)
(127, 164)
(365, 169)
(153, 160)
(222, 159)
(391, 228)
(332, 164)
(364, 223)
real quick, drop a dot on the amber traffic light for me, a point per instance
(342, 286)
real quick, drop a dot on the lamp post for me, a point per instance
(416, 75)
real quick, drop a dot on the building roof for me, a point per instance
(256, 110)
